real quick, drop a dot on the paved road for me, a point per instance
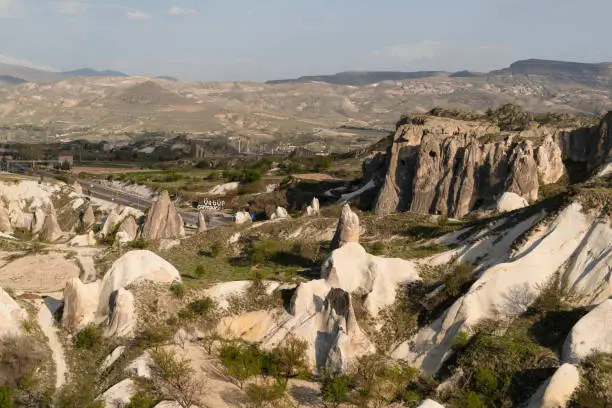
(97, 190)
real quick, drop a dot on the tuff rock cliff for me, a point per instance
(452, 167)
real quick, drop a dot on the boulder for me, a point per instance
(80, 304)
(88, 219)
(510, 202)
(5, 221)
(201, 222)
(313, 208)
(122, 238)
(168, 244)
(37, 221)
(51, 230)
(112, 219)
(88, 239)
(279, 213)
(122, 321)
(242, 217)
(119, 394)
(557, 391)
(132, 267)
(112, 357)
(428, 403)
(141, 366)
(163, 221)
(129, 226)
(12, 315)
(592, 333)
(347, 230)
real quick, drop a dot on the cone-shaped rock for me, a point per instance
(77, 187)
(5, 222)
(129, 227)
(163, 221)
(88, 219)
(51, 230)
(347, 229)
(201, 222)
(123, 318)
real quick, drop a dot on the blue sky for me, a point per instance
(268, 39)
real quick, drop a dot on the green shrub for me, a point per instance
(200, 271)
(154, 335)
(595, 388)
(288, 359)
(265, 395)
(472, 400)
(241, 361)
(216, 248)
(199, 308)
(455, 281)
(175, 379)
(89, 338)
(335, 390)
(6, 397)
(263, 251)
(378, 248)
(140, 400)
(177, 289)
(139, 243)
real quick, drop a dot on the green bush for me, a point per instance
(89, 338)
(197, 309)
(455, 281)
(216, 248)
(595, 388)
(140, 400)
(154, 335)
(288, 359)
(264, 251)
(241, 361)
(177, 289)
(265, 395)
(472, 400)
(6, 397)
(378, 248)
(139, 243)
(200, 271)
(335, 390)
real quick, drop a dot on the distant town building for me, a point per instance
(65, 157)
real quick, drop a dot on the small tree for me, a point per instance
(241, 361)
(175, 379)
(289, 359)
(335, 390)
(6, 397)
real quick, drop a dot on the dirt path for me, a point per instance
(45, 321)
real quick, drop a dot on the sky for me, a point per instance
(237, 40)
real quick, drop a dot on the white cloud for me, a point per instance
(179, 11)
(137, 15)
(70, 8)
(445, 55)
(10, 8)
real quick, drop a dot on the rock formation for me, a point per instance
(129, 227)
(201, 222)
(452, 167)
(347, 229)
(80, 304)
(592, 333)
(5, 222)
(12, 315)
(88, 219)
(510, 202)
(163, 221)
(51, 230)
(112, 219)
(122, 320)
(313, 208)
(279, 213)
(429, 404)
(77, 187)
(119, 395)
(242, 217)
(37, 221)
(558, 390)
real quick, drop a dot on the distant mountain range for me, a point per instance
(16, 74)
(584, 73)
(88, 72)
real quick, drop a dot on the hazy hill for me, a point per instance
(89, 72)
(11, 80)
(356, 78)
(27, 74)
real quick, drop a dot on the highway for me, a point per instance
(97, 190)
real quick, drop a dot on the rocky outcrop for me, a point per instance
(452, 167)
(592, 333)
(88, 218)
(279, 214)
(122, 320)
(510, 202)
(37, 221)
(558, 390)
(5, 222)
(51, 230)
(428, 403)
(77, 187)
(119, 395)
(12, 315)
(242, 217)
(80, 304)
(129, 227)
(201, 222)
(163, 221)
(313, 209)
(347, 230)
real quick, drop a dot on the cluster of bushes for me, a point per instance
(317, 164)
(249, 173)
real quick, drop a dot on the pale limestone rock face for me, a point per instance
(279, 213)
(550, 161)
(119, 394)
(51, 230)
(168, 244)
(242, 217)
(201, 222)
(141, 367)
(352, 269)
(80, 304)
(313, 209)
(592, 333)
(123, 317)
(84, 240)
(88, 219)
(163, 221)
(5, 222)
(122, 238)
(129, 227)
(347, 230)
(37, 221)
(428, 403)
(135, 266)
(558, 390)
(112, 357)
(523, 179)
(12, 315)
(510, 202)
